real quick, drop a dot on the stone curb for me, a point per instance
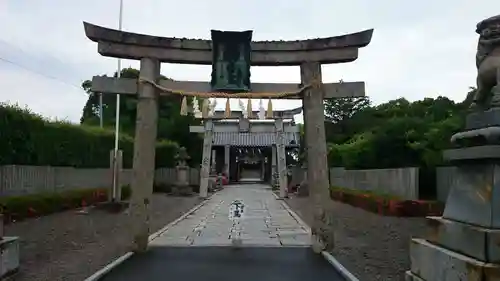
(293, 214)
(105, 270)
(339, 267)
(244, 246)
(331, 260)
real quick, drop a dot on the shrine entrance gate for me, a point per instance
(247, 150)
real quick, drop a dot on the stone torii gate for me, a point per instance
(152, 50)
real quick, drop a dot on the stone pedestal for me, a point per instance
(9, 257)
(182, 186)
(9, 254)
(464, 244)
(215, 183)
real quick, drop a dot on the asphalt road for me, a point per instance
(225, 264)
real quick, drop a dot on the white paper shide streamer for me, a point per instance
(212, 105)
(196, 108)
(243, 109)
(262, 110)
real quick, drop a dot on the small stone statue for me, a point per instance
(488, 64)
(182, 156)
(482, 125)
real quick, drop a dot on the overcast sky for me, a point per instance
(419, 48)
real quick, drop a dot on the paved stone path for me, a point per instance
(266, 221)
(189, 250)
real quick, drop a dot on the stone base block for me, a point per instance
(473, 154)
(112, 207)
(474, 193)
(482, 119)
(184, 190)
(478, 242)
(9, 257)
(478, 137)
(430, 262)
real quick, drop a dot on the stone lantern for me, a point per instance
(182, 187)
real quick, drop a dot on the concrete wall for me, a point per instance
(19, 180)
(401, 182)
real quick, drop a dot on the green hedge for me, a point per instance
(15, 208)
(29, 139)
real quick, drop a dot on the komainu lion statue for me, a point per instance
(488, 64)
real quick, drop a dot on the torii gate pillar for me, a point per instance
(317, 172)
(144, 155)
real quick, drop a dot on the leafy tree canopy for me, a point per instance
(171, 125)
(398, 133)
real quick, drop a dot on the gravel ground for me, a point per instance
(70, 246)
(370, 246)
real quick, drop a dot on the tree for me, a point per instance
(398, 133)
(171, 125)
(338, 111)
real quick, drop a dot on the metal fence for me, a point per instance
(20, 180)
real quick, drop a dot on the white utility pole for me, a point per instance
(117, 117)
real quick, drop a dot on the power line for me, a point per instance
(26, 53)
(31, 70)
(39, 73)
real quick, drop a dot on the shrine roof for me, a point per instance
(254, 139)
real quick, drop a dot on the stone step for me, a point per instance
(474, 241)
(434, 263)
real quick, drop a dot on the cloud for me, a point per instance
(419, 49)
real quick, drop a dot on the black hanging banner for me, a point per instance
(231, 61)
